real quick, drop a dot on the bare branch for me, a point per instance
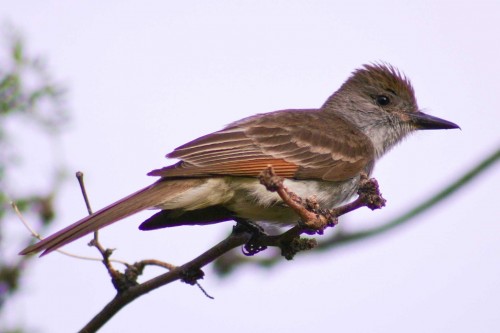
(232, 260)
(185, 273)
(313, 220)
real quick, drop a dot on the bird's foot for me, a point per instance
(254, 245)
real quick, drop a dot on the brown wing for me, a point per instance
(301, 144)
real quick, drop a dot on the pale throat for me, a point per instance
(384, 137)
(383, 130)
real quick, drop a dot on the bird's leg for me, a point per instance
(253, 246)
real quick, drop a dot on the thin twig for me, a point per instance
(106, 253)
(117, 277)
(460, 182)
(154, 262)
(122, 299)
(231, 261)
(121, 281)
(79, 177)
(313, 219)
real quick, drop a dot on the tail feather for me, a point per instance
(145, 198)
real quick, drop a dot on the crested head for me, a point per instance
(380, 101)
(379, 78)
(377, 87)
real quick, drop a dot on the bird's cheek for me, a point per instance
(404, 117)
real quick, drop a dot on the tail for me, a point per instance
(148, 197)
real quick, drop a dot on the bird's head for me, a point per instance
(379, 100)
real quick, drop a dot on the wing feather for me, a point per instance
(303, 144)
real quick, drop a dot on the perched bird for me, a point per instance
(319, 152)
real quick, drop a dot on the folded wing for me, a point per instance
(304, 144)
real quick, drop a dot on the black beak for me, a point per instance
(427, 122)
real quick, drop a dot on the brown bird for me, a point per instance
(319, 152)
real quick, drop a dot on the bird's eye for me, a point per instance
(382, 100)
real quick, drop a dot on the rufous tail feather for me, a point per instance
(143, 199)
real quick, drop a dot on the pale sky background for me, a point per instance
(145, 77)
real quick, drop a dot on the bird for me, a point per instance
(319, 151)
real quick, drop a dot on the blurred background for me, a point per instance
(127, 82)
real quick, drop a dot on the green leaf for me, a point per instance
(17, 52)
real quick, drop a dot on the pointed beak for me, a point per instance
(424, 121)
